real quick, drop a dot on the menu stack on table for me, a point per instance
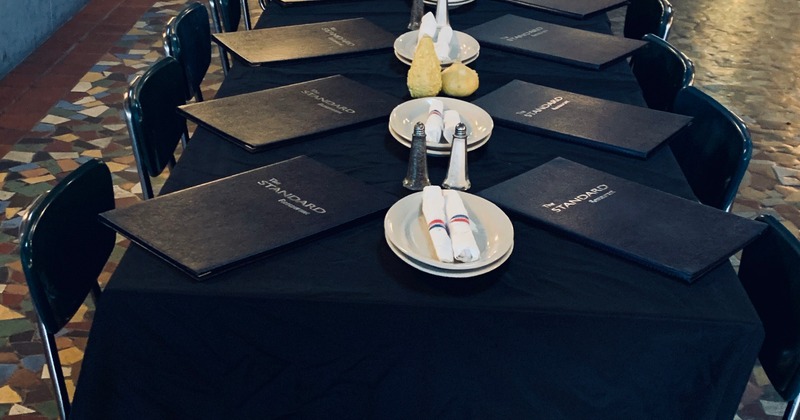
(260, 119)
(313, 40)
(554, 42)
(607, 125)
(579, 9)
(216, 226)
(682, 238)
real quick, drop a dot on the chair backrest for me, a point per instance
(63, 249)
(770, 273)
(187, 38)
(153, 122)
(648, 17)
(63, 246)
(714, 150)
(661, 71)
(226, 14)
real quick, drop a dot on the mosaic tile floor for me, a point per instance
(746, 55)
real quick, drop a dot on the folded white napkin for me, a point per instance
(442, 35)
(434, 124)
(451, 118)
(462, 240)
(442, 44)
(427, 26)
(433, 210)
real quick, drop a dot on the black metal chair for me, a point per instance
(714, 150)
(63, 249)
(154, 125)
(770, 273)
(661, 71)
(226, 15)
(187, 38)
(644, 17)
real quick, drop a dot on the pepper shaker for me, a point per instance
(457, 177)
(417, 10)
(417, 174)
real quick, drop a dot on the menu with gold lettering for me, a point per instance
(260, 119)
(552, 42)
(213, 227)
(661, 231)
(323, 39)
(599, 123)
(578, 9)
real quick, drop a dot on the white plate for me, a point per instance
(466, 61)
(447, 273)
(405, 227)
(404, 116)
(462, 47)
(443, 150)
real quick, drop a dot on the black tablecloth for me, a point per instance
(342, 328)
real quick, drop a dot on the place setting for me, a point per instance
(450, 45)
(449, 233)
(440, 115)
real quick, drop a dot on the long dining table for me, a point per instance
(341, 328)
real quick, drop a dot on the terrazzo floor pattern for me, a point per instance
(758, 83)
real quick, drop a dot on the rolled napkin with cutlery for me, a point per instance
(451, 118)
(434, 123)
(433, 209)
(465, 249)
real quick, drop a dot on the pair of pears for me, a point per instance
(426, 78)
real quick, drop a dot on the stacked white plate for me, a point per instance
(403, 118)
(451, 4)
(463, 47)
(407, 235)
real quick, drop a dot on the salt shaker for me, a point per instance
(417, 174)
(457, 177)
(442, 16)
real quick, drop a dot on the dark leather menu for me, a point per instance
(260, 119)
(323, 39)
(579, 9)
(309, 2)
(667, 233)
(599, 123)
(216, 226)
(554, 42)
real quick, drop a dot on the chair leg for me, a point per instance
(246, 15)
(54, 366)
(223, 56)
(791, 409)
(147, 187)
(184, 140)
(96, 292)
(263, 4)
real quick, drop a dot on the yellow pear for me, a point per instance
(459, 80)
(424, 76)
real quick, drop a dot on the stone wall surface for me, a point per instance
(26, 24)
